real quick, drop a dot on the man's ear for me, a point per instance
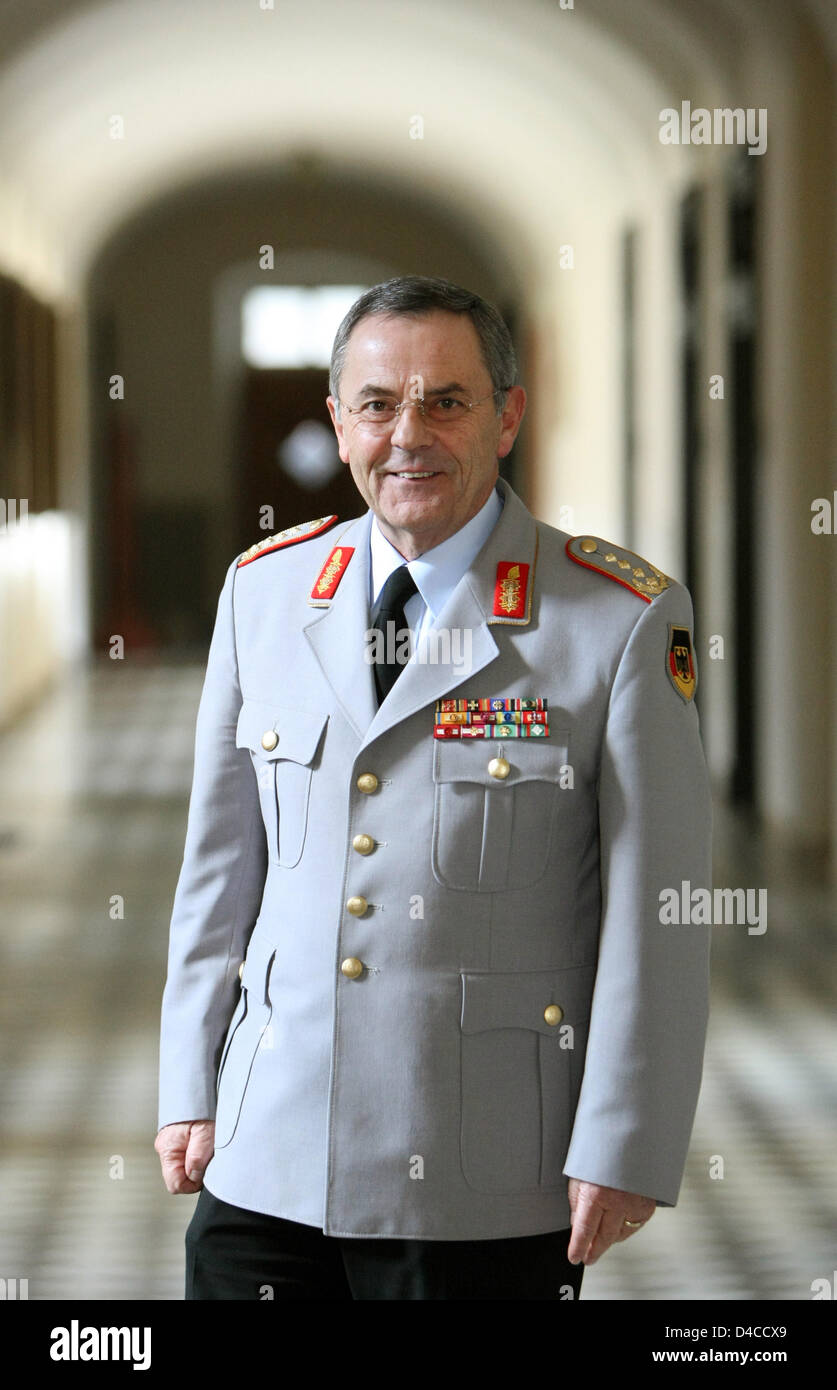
(338, 429)
(510, 421)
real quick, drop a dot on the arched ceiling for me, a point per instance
(531, 111)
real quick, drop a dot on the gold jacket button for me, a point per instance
(498, 767)
(241, 971)
(270, 738)
(588, 545)
(364, 844)
(367, 782)
(357, 906)
(352, 967)
(553, 1014)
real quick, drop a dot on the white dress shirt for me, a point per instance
(436, 572)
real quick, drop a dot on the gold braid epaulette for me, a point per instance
(628, 569)
(303, 532)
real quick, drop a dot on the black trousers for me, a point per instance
(232, 1253)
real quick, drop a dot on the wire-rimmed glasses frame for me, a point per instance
(394, 409)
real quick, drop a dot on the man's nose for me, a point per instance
(411, 429)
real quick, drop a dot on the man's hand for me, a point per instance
(185, 1149)
(598, 1218)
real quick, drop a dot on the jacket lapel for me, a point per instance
(337, 634)
(468, 616)
(421, 684)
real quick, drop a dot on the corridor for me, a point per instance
(191, 197)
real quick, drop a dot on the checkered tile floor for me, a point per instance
(93, 792)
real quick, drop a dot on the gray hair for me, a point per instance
(422, 294)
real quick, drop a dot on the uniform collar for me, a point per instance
(335, 635)
(438, 571)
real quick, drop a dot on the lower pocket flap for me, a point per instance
(522, 999)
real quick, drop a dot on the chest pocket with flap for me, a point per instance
(283, 770)
(491, 834)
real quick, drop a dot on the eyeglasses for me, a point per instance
(442, 409)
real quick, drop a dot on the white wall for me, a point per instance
(41, 623)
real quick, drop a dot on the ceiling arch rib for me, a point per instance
(523, 109)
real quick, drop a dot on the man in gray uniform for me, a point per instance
(422, 1015)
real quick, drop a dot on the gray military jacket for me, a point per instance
(456, 987)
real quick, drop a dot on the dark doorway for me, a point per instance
(288, 453)
(742, 300)
(691, 230)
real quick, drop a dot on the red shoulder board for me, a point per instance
(628, 569)
(303, 532)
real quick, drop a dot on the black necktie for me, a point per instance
(388, 618)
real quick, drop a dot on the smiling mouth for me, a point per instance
(414, 474)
